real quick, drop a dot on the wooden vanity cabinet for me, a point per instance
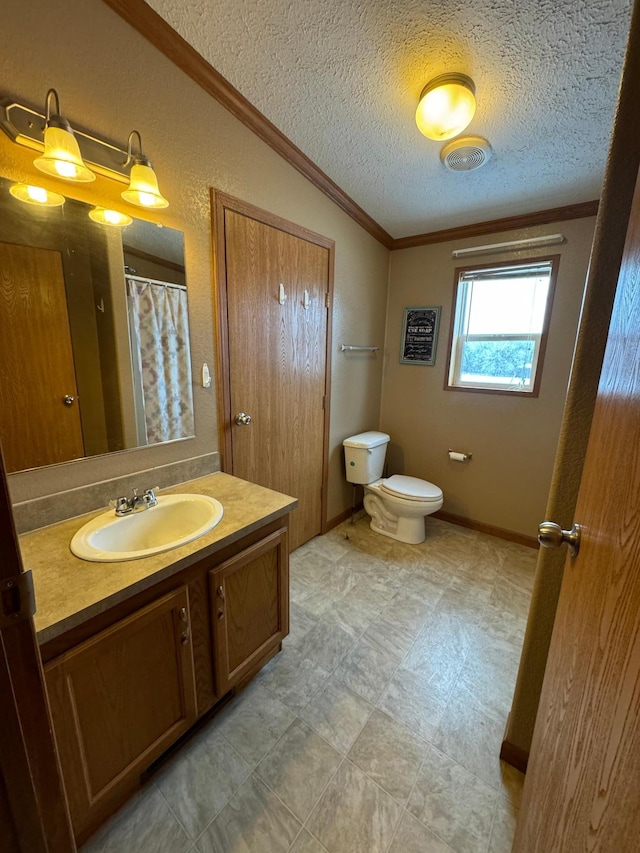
(249, 596)
(126, 684)
(118, 701)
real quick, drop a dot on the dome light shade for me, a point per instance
(447, 105)
(104, 216)
(36, 195)
(61, 157)
(143, 187)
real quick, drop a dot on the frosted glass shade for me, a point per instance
(447, 105)
(61, 157)
(104, 216)
(36, 195)
(143, 188)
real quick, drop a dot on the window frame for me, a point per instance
(454, 355)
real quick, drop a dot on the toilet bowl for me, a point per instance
(397, 505)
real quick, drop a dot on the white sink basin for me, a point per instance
(176, 520)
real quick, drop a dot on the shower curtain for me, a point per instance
(160, 341)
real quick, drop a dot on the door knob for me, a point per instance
(243, 419)
(551, 535)
(68, 400)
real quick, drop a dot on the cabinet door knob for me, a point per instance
(220, 591)
(184, 638)
(184, 616)
(220, 613)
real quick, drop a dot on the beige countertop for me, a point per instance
(69, 590)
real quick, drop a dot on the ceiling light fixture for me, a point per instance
(104, 216)
(143, 187)
(30, 194)
(447, 105)
(61, 157)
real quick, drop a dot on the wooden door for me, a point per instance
(274, 310)
(250, 609)
(118, 701)
(34, 817)
(36, 361)
(582, 787)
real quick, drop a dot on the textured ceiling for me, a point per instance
(341, 78)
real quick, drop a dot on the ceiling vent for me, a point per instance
(466, 153)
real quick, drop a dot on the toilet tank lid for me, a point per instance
(366, 439)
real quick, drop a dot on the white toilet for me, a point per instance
(397, 505)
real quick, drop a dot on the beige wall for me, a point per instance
(513, 440)
(111, 81)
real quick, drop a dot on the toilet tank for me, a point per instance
(364, 456)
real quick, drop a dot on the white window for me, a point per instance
(500, 322)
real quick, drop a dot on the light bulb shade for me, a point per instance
(143, 188)
(61, 157)
(36, 195)
(447, 105)
(104, 216)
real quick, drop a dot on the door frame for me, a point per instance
(220, 203)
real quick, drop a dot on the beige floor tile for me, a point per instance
(145, 825)
(329, 546)
(309, 565)
(489, 672)
(389, 637)
(337, 713)
(440, 648)
(367, 670)
(407, 611)
(390, 754)
(375, 595)
(418, 704)
(201, 779)
(454, 804)
(292, 677)
(326, 644)
(299, 767)
(504, 827)
(300, 622)
(255, 724)
(352, 616)
(471, 734)
(341, 579)
(511, 598)
(414, 837)
(253, 821)
(354, 814)
(428, 588)
(306, 843)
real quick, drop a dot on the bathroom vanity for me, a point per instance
(136, 652)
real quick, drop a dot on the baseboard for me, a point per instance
(490, 529)
(343, 516)
(514, 755)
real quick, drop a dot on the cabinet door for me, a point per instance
(118, 701)
(250, 604)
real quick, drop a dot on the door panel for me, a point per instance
(583, 782)
(277, 362)
(36, 427)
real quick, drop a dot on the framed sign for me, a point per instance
(420, 335)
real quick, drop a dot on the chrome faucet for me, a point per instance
(136, 503)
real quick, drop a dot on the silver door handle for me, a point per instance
(243, 419)
(551, 535)
(68, 400)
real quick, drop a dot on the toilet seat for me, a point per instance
(411, 488)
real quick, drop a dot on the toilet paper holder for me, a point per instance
(457, 456)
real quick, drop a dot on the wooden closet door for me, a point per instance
(37, 370)
(277, 362)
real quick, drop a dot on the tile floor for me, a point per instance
(378, 727)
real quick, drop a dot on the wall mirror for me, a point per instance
(94, 334)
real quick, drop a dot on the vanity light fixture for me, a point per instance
(447, 105)
(76, 155)
(143, 187)
(61, 157)
(36, 195)
(104, 216)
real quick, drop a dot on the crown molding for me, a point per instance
(156, 30)
(493, 226)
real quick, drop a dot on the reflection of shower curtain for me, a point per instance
(160, 337)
